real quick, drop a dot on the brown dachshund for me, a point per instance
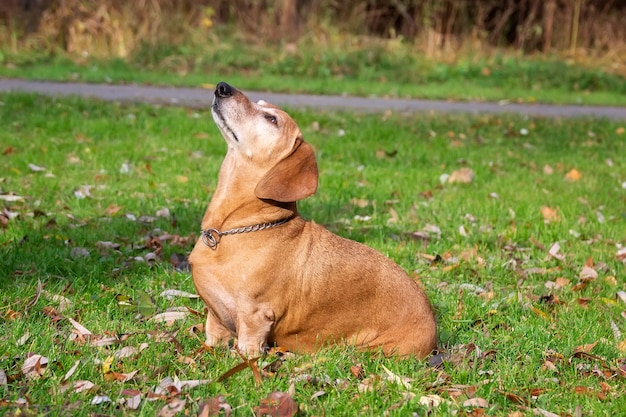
(270, 278)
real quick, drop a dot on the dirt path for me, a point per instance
(201, 98)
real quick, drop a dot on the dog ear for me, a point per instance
(291, 179)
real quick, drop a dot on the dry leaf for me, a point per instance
(36, 168)
(549, 214)
(84, 386)
(112, 209)
(277, 404)
(169, 316)
(461, 176)
(170, 294)
(573, 175)
(587, 348)
(71, 371)
(172, 408)
(588, 274)
(476, 402)
(554, 251)
(357, 371)
(4, 382)
(397, 379)
(125, 352)
(431, 400)
(543, 413)
(79, 327)
(34, 366)
(213, 407)
(100, 399)
(621, 254)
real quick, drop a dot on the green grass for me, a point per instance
(516, 338)
(344, 66)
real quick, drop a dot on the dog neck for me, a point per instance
(234, 203)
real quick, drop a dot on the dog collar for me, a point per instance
(212, 237)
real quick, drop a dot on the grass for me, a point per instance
(517, 325)
(362, 67)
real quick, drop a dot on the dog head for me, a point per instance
(270, 140)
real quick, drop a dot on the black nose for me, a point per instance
(223, 90)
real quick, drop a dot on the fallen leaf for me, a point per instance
(621, 254)
(4, 382)
(169, 316)
(403, 381)
(357, 371)
(71, 371)
(36, 168)
(170, 294)
(462, 176)
(11, 198)
(112, 209)
(277, 404)
(431, 400)
(132, 399)
(100, 399)
(573, 175)
(172, 408)
(476, 402)
(125, 352)
(588, 274)
(549, 214)
(106, 364)
(120, 377)
(79, 327)
(554, 251)
(84, 386)
(214, 406)
(34, 366)
(543, 413)
(587, 348)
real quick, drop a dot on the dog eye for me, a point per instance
(271, 119)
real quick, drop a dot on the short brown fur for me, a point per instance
(295, 285)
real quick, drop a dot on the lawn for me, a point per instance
(514, 226)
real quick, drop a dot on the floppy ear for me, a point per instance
(291, 179)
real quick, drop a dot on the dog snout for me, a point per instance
(224, 90)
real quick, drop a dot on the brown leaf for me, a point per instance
(81, 330)
(213, 407)
(573, 175)
(462, 176)
(34, 366)
(243, 365)
(588, 274)
(587, 348)
(621, 254)
(172, 408)
(476, 402)
(357, 371)
(112, 210)
(277, 404)
(550, 214)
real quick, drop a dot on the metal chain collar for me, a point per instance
(212, 237)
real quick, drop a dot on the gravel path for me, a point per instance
(201, 98)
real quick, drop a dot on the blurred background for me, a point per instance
(370, 40)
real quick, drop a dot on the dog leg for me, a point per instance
(216, 334)
(253, 330)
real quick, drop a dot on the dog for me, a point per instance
(271, 278)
